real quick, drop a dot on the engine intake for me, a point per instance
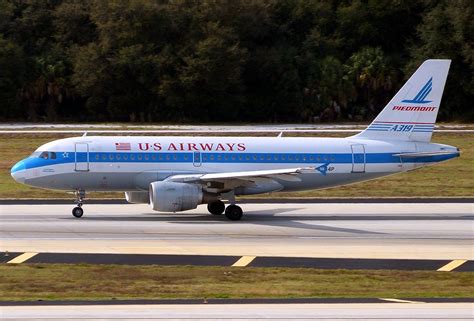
(175, 197)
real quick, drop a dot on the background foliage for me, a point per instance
(235, 60)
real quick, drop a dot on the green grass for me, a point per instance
(94, 282)
(449, 179)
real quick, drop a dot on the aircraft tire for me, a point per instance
(216, 208)
(233, 212)
(77, 212)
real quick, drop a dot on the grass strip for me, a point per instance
(449, 179)
(103, 282)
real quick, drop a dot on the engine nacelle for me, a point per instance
(137, 197)
(175, 197)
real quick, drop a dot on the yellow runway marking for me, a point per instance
(22, 258)
(399, 300)
(244, 261)
(451, 265)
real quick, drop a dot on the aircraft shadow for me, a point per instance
(272, 218)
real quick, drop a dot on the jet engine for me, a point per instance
(175, 197)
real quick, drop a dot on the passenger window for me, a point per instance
(132, 157)
(97, 156)
(104, 157)
(44, 155)
(111, 156)
(153, 157)
(147, 157)
(125, 157)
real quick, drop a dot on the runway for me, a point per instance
(428, 231)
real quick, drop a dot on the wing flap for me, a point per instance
(238, 175)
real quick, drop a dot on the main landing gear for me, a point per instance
(232, 212)
(78, 211)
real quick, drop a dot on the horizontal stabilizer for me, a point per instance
(423, 154)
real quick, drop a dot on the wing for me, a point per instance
(253, 182)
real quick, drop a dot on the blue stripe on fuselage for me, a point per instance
(228, 157)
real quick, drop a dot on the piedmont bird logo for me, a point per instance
(420, 97)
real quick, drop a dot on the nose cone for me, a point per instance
(18, 171)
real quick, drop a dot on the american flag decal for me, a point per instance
(122, 146)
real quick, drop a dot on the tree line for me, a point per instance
(226, 61)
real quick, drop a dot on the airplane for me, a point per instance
(175, 174)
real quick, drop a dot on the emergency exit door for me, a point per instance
(358, 158)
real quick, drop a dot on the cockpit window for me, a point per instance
(44, 155)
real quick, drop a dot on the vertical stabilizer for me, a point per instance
(411, 114)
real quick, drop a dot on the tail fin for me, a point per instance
(411, 114)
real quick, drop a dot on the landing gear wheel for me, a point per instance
(233, 212)
(77, 212)
(216, 208)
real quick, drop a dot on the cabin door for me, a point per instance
(82, 157)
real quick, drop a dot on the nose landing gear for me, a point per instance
(78, 211)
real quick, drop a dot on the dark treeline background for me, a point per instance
(235, 60)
